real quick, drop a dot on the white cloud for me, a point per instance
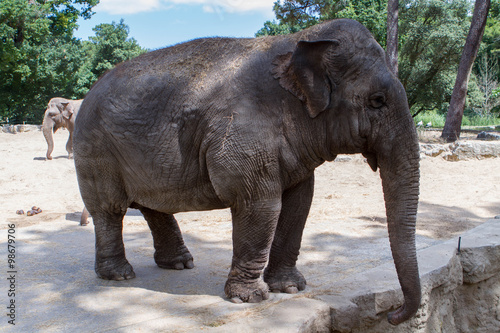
(127, 6)
(135, 6)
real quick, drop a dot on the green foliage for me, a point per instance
(433, 118)
(40, 58)
(432, 35)
(24, 28)
(486, 67)
(63, 14)
(371, 13)
(431, 38)
(437, 119)
(491, 40)
(112, 46)
(296, 15)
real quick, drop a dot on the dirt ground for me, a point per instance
(455, 196)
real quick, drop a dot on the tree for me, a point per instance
(40, 58)
(487, 77)
(112, 46)
(432, 34)
(392, 35)
(452, 127)
(38, 54)
(295, 15)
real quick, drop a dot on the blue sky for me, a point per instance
(159, 23)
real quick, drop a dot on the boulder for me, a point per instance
(468, 150)
(488, 136)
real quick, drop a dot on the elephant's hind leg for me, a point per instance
(281, 274)
(106, 201)
(110, 263)
(170, 251)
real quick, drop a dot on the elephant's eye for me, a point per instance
(377, 100)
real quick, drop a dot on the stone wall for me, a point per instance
(462, 150)
(19, 128)
(461, 290)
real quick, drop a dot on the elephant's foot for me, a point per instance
(108, 270)
(180, 260)
(240, 291)
(285, 280)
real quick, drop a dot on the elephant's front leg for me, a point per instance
(170, 251)
(254, 224)
(281, 273)
(69, 145)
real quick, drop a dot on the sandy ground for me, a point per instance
(345, 235)
(454, 196)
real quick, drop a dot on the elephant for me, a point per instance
(60, 112)
(242, 123)
(84, 217)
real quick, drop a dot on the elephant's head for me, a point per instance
(341, 77)
(59, 113)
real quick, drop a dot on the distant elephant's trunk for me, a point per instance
(47, 128)
(399, 170)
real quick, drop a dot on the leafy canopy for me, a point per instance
(296, 15)
(431, 37)
(40, 58)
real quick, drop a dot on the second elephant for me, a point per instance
(60, 112)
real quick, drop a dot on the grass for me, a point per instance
(437, 120)
(469, 122)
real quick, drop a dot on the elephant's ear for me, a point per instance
(67, 110)
(304, 74)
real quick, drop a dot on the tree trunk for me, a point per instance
(392, 36)
(452, 127)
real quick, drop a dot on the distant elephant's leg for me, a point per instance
(254, 224)
(170, 251)
(281, 274)
(110, 263)
(85, 216)
(69, 145)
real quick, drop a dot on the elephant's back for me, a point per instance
(162, 84)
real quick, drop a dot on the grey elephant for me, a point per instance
(60, 112)
(243, 123)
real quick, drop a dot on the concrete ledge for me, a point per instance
(447, 276)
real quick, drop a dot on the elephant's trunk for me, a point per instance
(399, 170)
(47, 128)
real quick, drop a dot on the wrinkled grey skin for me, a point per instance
(60, 112)
(243, 123)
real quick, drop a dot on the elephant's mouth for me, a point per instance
(371, 158)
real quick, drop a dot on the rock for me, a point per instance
(461, 150)
(468, 150)
(433, 150)
(20, 128)
(480, 263)
(343, 158)
(488, 136)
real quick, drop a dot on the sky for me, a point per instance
(160, 23)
